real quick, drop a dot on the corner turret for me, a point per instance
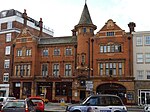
(85, 24)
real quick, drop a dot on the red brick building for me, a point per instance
(11, 23)
(72, 67)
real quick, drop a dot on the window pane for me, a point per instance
(45, 52)
(139, 58)
(83, 59)
(110, 33)
(139, 41)
(3, 14)
(101, 68)
(148, 74)
(7, 50)
(28, 52)
(147, 57)
(84, 30)
(114, 68)
(112, 48)
(105, 48)
(68, 51)
(8, 37)
(140, 74)
(56, 51)
(6, 77)
(6, 63)
(19, 52)
(108, 48)
(9, 25)
(68, 70)
(44, 70)
(110, 65)
(120, 68)
(101, 49)
(56, 69)
(147, 40)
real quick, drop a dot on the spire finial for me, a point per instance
(85, 1)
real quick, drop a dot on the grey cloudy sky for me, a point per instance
(63, 15)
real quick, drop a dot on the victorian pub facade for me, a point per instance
(72, 67)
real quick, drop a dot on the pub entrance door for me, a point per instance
(112, 88)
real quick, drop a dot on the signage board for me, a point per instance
(89, 85)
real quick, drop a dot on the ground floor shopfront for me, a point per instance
(123, 88)
(142, 90)
(4, 90)
(73, 90)
(53, 91)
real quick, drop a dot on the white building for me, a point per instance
(141, 66)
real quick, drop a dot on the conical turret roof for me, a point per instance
(85, 17)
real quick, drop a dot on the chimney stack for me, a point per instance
(131, 26)
(41, 27)
(73, 32)
(25, 17)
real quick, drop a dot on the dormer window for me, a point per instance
(18, 14)
(3, 14)
(110, 34)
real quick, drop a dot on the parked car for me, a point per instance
(99, 103)
(147, 108)
(38, 102)
(18, 105)
(4, 99)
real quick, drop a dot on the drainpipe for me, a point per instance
(12, 64)
(92, 54)
(89, 59)
(129, 38)
(75, 61)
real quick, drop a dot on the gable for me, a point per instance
(25, 36)
(24, 33)
(110, 29)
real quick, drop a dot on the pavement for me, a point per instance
(60, 107)
(135, 108)
(55, 107)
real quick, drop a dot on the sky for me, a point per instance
(63, 15)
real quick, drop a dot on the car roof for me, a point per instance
(17, 100)
(6, 97)
(34, 97)
(103, 95)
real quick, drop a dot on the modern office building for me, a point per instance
(141, 62)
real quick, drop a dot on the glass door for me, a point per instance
(143, 98)
(148, 98)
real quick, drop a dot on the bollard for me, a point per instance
(62, 102)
